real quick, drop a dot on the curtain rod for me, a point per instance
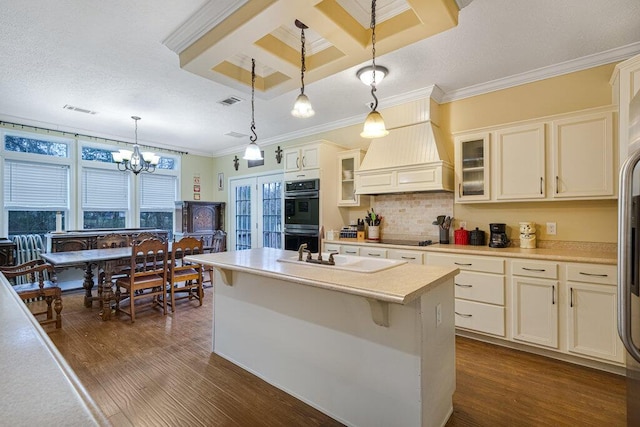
(80, 135)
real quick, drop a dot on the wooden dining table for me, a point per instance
(107, 260)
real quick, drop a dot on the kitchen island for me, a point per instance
(368, 349)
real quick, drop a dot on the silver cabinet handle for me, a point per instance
(298, 162)
(625, 255)
(463, 286)
(303, 164)
(540, 270)
(461, 263)
(594, 275)
(350, 252)
(463, 315)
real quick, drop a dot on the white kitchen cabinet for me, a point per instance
(331, 248)
(592, 312)
(566, 156)
(535, 302)
(302, 158)
(414, 257)
(520, 162)
(625, 83)
(583, 156)
(479, 291)
(348, 163)
(472, 167)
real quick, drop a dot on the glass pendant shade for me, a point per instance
(135, 161)
(302, 107)
(374, 126)
(252, 152)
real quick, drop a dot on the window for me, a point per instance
(33, 193)
(105, 198)
(158, 194)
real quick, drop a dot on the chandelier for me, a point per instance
(252, 151)
(135, 161)
(374, 124)
(302, 107)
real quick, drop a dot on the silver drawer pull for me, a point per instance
(408, 257)
(463, 315)
(464, 286)
(540, 270)
(350, 252)
(594, 275)
(461, 263)
(370, 254)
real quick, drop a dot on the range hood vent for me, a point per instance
(410, 159)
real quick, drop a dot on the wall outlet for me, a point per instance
(551, 228)
(463, 224)
(438, 315)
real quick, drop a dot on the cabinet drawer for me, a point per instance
(349, 250)
(373, 252)
(544, 270)
(332, 248)
(480, 317)
(480, 287)
(471, 263)
(592, 273)
(414, 257)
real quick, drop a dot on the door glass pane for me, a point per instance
(272, 215)
(243, 217)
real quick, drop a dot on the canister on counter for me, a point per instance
(461, 236)
(476, 237)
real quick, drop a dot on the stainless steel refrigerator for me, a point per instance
(629, 263)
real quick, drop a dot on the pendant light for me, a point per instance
(135, 161)
(374, 124)
(252, 151)
(302, 107)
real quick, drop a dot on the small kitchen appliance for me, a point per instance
(498, 237)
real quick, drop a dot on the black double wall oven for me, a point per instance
(302, 214)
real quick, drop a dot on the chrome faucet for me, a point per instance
(301, 250)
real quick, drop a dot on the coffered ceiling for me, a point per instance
(339, 37)
(87, 66)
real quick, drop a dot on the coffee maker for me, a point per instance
(498, 237)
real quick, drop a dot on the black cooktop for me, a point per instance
(405, 242)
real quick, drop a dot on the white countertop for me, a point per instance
(576, 252)
(37, 387)
(401, 284)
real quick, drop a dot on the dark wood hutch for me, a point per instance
(7, 248)
(198, 219)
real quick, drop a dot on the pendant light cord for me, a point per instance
(254, 137)
(373, 49)
(303, 68)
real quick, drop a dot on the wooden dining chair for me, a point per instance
(218, 244)
(34, 280)
(185, 278)
(147, 278)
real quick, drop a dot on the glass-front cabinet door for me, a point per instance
(348, 163)
(472, 167)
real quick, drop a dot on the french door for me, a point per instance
(256, 212)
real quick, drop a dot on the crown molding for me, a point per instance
(583, 63)
(207, 17)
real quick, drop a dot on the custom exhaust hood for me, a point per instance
(411, 158)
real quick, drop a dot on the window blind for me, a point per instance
(157, 192)
(105, 189)
(36, 185)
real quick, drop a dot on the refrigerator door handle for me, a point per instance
(625, 253)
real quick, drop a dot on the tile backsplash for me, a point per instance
(410, 215)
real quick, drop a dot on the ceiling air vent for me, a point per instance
(236, 134)
(230, 101)
(78, 109)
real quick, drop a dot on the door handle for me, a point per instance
(459, 190)
(624, 254)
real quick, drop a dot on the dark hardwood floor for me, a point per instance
(160, 371)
